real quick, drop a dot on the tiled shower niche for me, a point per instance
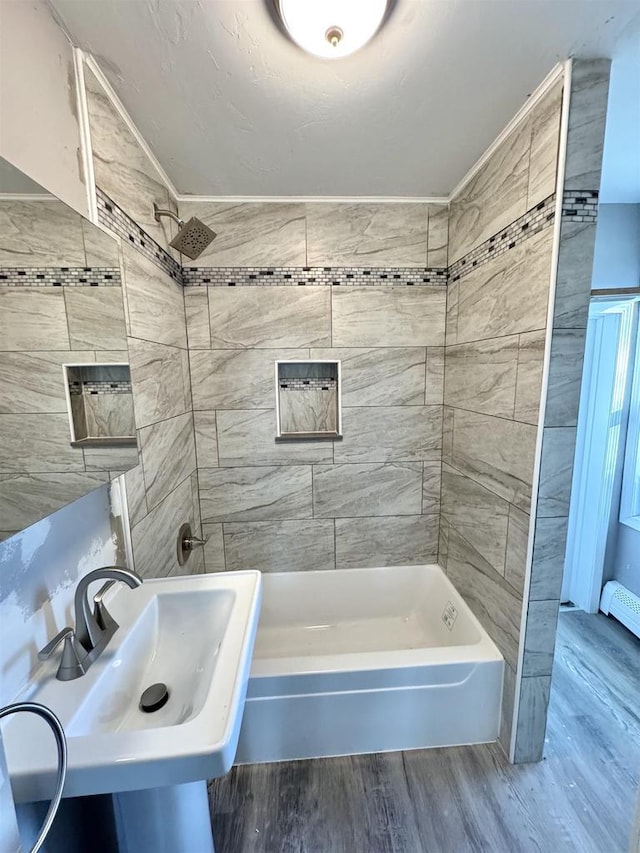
(308, 400)
(100, 403)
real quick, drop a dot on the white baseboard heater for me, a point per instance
(620, 602)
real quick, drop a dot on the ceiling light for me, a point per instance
(332, 28)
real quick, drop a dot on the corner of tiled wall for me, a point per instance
(584, 147)
(162, 489)
(500, 263)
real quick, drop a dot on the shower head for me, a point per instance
(192, 238)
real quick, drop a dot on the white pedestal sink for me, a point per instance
(196, 635)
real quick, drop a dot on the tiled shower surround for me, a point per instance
(435, 463)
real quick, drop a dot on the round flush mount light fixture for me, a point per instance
(332, 28)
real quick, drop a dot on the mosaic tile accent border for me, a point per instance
(532, 222)
(318, 276)
(577, 206)
(580, 206)
(60, 277)
(115, 219)
(76, 389)
(314, 384)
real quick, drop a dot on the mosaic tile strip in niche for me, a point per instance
(314, 384)
(116, 220)
(532, 222)
(99, 387)
(318, 276)
(60, 277)
(580, 206)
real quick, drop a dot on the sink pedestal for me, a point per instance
(175, 819)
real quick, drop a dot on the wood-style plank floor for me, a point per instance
(579, 799)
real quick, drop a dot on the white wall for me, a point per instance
(38, 123)
(616, 261)
(39, 568)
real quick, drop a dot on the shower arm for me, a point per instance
(158, 212)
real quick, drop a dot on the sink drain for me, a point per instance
(154, 698)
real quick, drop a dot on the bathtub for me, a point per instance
(367, 660)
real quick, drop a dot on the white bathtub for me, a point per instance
(367, 660)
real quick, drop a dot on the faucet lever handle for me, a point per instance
(66, 634)
(71, 662)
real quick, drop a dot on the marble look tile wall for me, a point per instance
(122, 168)
(372, 498)
(585, 138)
(495, 333)
(519, 174)
(43, 326)
(162, 489)
(322, 234)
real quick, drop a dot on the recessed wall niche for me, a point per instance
(100, 404)
(308, 400)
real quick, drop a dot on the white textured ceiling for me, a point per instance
(232, 108)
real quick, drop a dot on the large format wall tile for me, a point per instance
(481, 376)
(37, 234)
(280, 546)
(343, 491)
(556, 469)
(488, 595)
(508, 295)
(204, 424)
(37, 444)
(431, 486)
(155, 301)
(366, 235)
(154, 537)
(160, 376)
(494, 197)
(96, 317)
(214, 559)
(438, 235)
(255, 494)
(112, 459)
(121, 167)
(565, 377)
(529, 383)
(540, 637)
(390, 434)
(168, 455)
(545, 137)
(549, 547)
(389, 316)
(479, 516)
(238, 379)
(587, 118)
(248, 317)
(497, 453)
(532, 718)
(379, 376)
(434, 389)
(32, 382)
(196, 309)
(408, 540)
(517, 542)
(250, 235)
(100, 248)
(573, 279)
(26, 498)
(248, 438)
(136, 494)
(33, 319)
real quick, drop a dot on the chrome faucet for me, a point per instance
(94, 628)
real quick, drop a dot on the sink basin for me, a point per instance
(193, 633)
